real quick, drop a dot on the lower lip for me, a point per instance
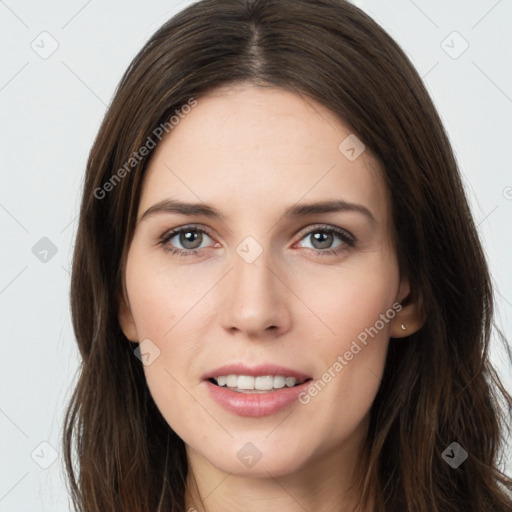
(255, 404)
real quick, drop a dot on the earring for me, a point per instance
(403, 327)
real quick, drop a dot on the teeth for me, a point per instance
(245, 382)
(231, 381)
(264, 383)
(279, 382)
(261, 383)
(290, 381)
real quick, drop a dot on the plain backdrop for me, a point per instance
(61, 62)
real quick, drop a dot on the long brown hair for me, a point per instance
(438, 386)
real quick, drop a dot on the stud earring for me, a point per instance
(403, 327)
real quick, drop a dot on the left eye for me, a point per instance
(324, 237)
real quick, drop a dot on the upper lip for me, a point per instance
(255, 371)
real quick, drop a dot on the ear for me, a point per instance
(126, 318)
(411, 317)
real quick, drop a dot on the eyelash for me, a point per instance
(344, 236)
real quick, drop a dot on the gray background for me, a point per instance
(51, 108)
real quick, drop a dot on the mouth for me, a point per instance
(269, 390)
(255, 390)
(256, 384)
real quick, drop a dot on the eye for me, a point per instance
(322, 238)
(189, 237)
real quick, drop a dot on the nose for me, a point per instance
(255, 298)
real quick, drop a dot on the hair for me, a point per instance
(438, 385)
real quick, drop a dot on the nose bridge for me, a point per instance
(256, 298)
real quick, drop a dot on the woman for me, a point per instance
(278, 290)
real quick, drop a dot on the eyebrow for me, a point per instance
(295, 211)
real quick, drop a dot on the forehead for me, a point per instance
(253, 149)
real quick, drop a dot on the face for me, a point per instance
(255, 284)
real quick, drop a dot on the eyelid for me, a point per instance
(325, 227)
(176, 231)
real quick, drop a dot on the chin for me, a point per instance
(256, 460)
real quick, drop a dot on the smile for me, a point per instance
(248, 383)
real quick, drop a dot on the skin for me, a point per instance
(252, 152)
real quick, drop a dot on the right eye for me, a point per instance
(189, 237)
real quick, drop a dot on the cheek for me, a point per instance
(172, 382)
(350, 299)
(172, 396)
(356, 312)
(162, 297)
(165, 304)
